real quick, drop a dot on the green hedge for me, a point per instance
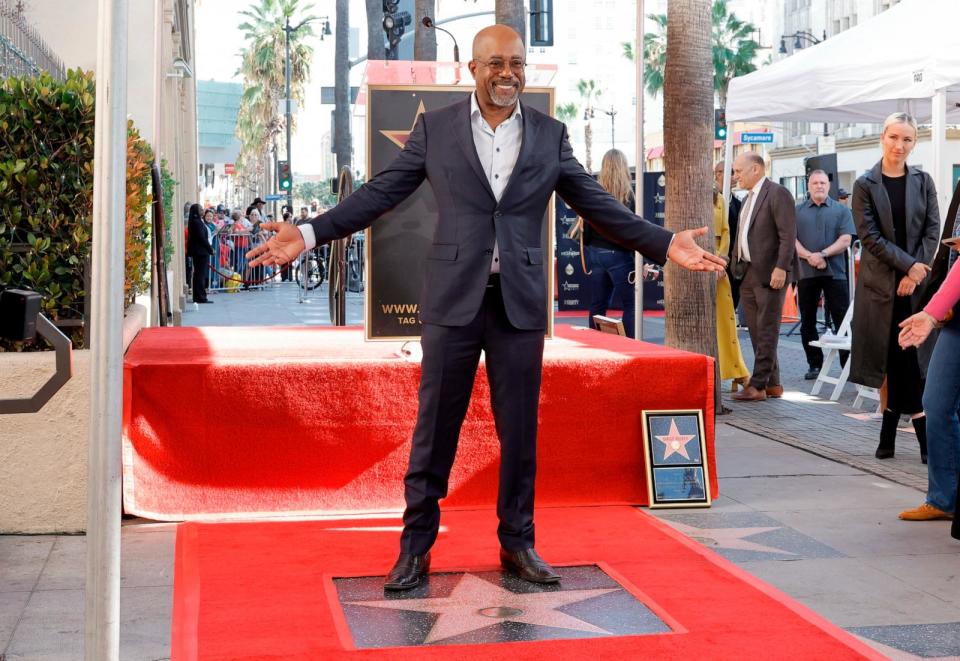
(46, 196)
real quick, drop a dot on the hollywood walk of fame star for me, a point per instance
(399, 137)
(675, 442)
(475, 604)
(731, 538)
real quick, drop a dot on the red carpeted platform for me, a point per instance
(265, 591)
(245, 421)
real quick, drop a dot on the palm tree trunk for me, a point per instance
(512, 13)
(341, 92)
(424, 39)
(375, 41)
(588, 141)
(688, 140)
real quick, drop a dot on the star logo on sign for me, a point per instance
(399, 137)
(476, 604)
(675, 442)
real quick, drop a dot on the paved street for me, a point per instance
(803, 506)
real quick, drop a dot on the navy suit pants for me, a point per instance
(451, 355)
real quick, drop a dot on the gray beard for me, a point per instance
(501, 101)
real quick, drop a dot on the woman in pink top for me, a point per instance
(941, 399)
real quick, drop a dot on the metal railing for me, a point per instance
(22, 50)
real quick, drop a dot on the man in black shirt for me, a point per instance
(824, 232)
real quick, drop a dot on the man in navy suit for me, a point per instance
(493, 164)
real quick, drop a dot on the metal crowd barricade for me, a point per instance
(230, 269)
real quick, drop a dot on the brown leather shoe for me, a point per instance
(407, 572)
(750, 394)
(774, 391)
(528, 565)
(925, 512)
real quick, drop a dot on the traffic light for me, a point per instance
(720, 123)
(284, 177)
(394, 25)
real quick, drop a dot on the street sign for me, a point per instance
(274, 197)
(755, 138)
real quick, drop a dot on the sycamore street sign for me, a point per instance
(755, 138)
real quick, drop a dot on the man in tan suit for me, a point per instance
(763, 256)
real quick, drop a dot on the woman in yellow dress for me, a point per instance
(732, 365)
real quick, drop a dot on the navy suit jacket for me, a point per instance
(441, 149)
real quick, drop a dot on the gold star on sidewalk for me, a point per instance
(675, 442)
(475, 604)
(399, 137)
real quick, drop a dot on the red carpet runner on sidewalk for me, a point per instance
(246, 421)
(267, 591)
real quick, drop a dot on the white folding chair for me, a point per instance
(832, 345)
(865, 393)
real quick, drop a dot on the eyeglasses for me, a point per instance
(496, 65)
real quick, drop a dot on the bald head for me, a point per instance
(499, 58)
(497, 39)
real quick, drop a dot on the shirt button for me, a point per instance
(496, 176)
(498, 149)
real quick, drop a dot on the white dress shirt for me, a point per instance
(497, 150)
(746, 215)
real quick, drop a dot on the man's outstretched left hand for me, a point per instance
(685, 252)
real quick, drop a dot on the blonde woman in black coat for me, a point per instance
(898, 223)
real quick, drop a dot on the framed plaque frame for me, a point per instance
(675, 452)
(396, 245)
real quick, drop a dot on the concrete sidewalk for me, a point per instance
(803, 505)
(822, 531)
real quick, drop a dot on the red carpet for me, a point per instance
(265, 591)
(222, 421)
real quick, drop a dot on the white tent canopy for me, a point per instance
(889, 63)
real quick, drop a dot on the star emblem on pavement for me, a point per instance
(475, 604)
(731, 538)
(399, 137)
(675, 442)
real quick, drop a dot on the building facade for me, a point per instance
(161, 89)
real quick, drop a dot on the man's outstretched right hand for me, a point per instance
(280, 249)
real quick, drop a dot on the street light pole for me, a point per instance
(612, 113)
(287, 29)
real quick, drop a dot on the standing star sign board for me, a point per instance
(676, 458)
(398, 242)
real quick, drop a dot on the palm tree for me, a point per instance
(263, 67)
(589, 92)
(731, 40)
(512, 13)
(424, 39)
(733, 48)
(566, 112)
(688, 137)
(376, 49)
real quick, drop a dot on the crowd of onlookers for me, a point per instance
(217, 241)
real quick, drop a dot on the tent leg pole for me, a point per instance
(938, 138)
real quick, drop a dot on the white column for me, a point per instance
(727, 166)
(938, 140)
(102, 597)
(640, 169)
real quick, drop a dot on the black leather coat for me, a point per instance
(883, 263)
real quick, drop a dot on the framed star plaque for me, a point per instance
(675, 448)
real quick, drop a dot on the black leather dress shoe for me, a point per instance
(407, 572)
(811, 374)
(528, 565)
